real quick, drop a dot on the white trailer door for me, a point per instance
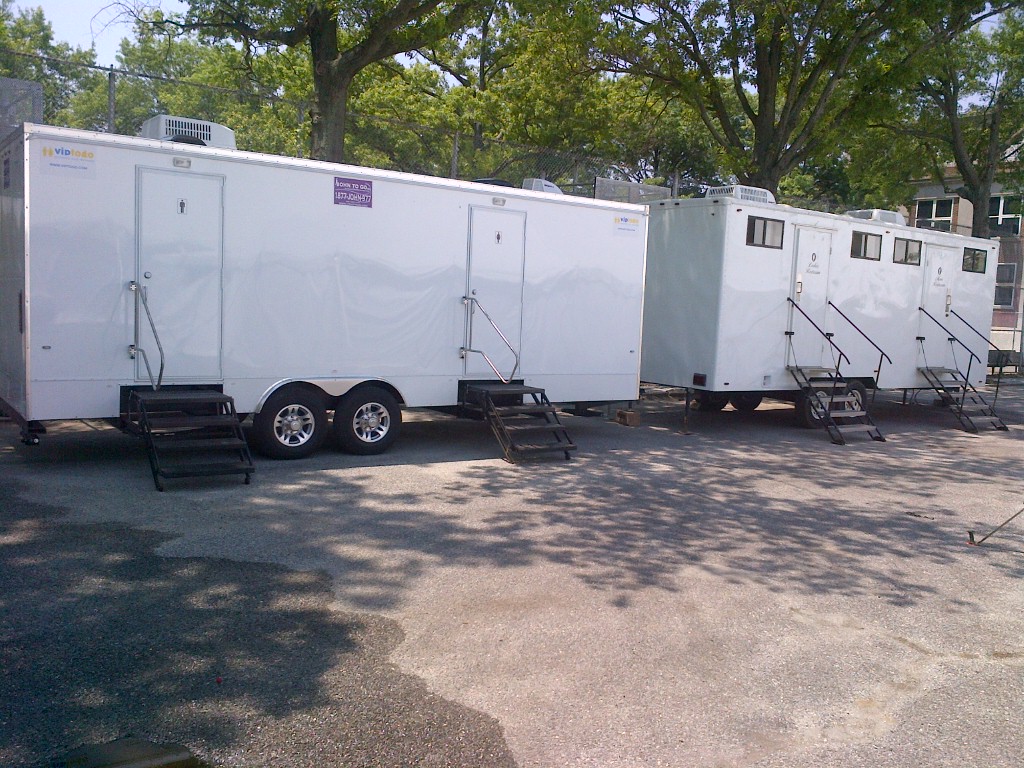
(941, 266)
(812, 256)
(180, 265)
(497, 250)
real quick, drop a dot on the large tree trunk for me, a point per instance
(979, 220)
(766, 176)
(331, 83)
(330, 116)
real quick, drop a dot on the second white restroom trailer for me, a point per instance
(746, 298)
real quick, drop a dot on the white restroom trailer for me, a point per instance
(736, 285)
(298, 287)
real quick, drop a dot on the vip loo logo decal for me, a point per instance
(63, 159)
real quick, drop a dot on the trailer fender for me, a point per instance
(333, 389)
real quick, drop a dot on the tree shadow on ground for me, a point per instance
(243, 663)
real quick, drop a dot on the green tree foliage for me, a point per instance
(776, 81)
(178, 74)
(57, 66)
(970, 111)
(340, 37)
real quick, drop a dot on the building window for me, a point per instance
(935, 214)
(907, 252)
(1004, 215)
(866, 246)
(766, 233)
(1006, 285)
(975, 260)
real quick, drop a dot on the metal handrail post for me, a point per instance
(136, 348)
(979, 334)
(827, 336)
(878, 370)
(468, 300)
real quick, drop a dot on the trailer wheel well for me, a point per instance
(304, 386)
(370, 383)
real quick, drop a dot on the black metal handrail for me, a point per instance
(979, 334)
(878, 370)
(950, 334)
(826, 336)
(471, 301)
(952, 337)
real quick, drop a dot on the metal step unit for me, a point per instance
(834, 403)
(965, 402)
(189, 433)
(523, 427)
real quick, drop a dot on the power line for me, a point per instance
(146, 76)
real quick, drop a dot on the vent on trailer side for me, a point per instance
(188, 130)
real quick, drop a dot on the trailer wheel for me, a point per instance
(745, 401)
(291, 425)
(858, 390)
(805, 412)
(711, 402)
(367, 421)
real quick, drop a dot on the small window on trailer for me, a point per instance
(907, 252)
(764, 233)
(866, 246)
(975, 260)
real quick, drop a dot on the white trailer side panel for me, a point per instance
(881, 298)
(260, 270)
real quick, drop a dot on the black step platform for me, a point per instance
(189, 433)
(523, 428)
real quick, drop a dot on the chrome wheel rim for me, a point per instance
(371, 422)
(294, 425)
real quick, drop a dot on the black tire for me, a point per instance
(804, 412)
(745, 401)
(710, 402)
(859, 389)
(367, 421)
(292, 423)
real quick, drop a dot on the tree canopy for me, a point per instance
(340, 37)
(776, 81)
(842, 102)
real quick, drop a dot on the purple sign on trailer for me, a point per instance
(356, 192)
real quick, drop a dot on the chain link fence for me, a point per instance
(379, 142)
(119, 101)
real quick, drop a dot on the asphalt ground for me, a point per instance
(732, 591)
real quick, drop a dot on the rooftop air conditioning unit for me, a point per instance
(753, 194)
(188, 131)
(878, 214)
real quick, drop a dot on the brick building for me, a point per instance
(936, 208)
